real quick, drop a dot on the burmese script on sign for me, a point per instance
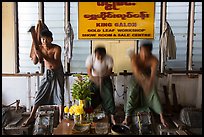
(118, 20)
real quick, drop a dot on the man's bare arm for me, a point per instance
(149, 81)
(109, 72)
(136, 72)
(153, 72)
(94, 79)
(36, 44)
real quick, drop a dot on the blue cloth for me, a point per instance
(51, 90)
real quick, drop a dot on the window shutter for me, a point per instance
(155, 49)
(26, 18)
(177, 17)
(81, 48)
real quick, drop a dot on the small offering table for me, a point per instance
(66, 127)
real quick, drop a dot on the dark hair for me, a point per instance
(100, 50)
(46, 33)
(147, 44)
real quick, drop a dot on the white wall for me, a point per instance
(23, 88)
(189, 90)
(18, 88)
(199, 93)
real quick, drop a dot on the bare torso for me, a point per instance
(147, 63)
(51, 56)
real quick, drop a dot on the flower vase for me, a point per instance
(82, 102)
(77, 119)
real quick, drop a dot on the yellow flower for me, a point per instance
(66, 109)
(72, 109)
(79, 110)
(76, 110)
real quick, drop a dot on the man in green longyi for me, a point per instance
(142, 93)
(99, 68)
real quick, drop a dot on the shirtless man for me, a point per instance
(51, 90)
(142, 93)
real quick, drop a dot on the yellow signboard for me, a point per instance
(116, 20)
